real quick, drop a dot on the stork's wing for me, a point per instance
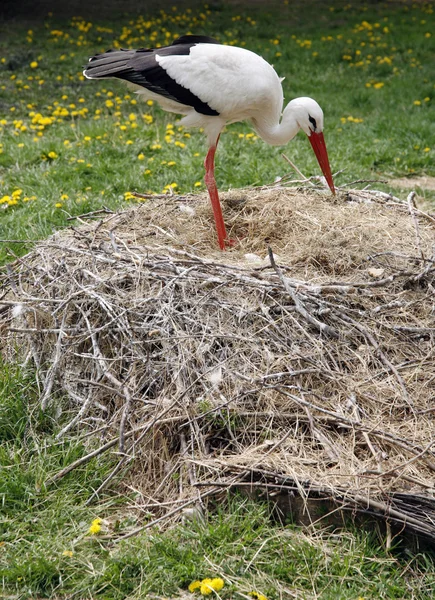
(142, 68)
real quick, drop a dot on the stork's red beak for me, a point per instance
(318, 144)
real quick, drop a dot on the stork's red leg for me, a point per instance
(210, 182)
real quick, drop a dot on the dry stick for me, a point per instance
(365, 435)
(357, 499)
(333, 454)
(399, 204)
(305, 179)
(402, 443)
(101, 211)
(171, 513)
(51, 375)
(84, 459)
(411, 460)
(426, 270)
(86, 404)
(392, 473)
(374, 343)
(105, 370)
(361, 181)
(321, 327)
(158, 196)
(104, 484)
(346, 422)
(411, 208)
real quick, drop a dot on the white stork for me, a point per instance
(212, 85)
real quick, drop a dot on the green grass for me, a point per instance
(46, 550)
(65, 150)
(72, 145)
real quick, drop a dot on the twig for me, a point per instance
(374, 343)
(412, 208)
(108, 479)
(362, 181)
(296, 169)
(158, 196)
(86, 404)
(321, 327)
(51, 375)
(94, 213)
(171, 513)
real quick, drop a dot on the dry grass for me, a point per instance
(309, 367)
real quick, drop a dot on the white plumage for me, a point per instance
(213, 85)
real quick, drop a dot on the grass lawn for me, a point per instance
(68, 146)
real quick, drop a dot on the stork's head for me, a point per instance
(309, 117)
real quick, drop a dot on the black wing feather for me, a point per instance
(141, 67)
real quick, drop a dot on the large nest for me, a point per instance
(301, 360)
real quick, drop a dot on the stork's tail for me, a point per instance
(112, 63)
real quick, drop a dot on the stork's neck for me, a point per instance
(274, 132)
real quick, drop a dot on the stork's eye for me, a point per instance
(312, 120)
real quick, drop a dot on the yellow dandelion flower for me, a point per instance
(171, 163)
(217, 583)
(379, 85)
(96, 523)
(257, 596)
(52, 155)
(417, 102)
(141, 156)
(64, 197)
(198, 183)
(206, 587)
(150, 102)
(128, 196)
(33, 64)
(195, 585)
(59, 205)
(427, 149)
